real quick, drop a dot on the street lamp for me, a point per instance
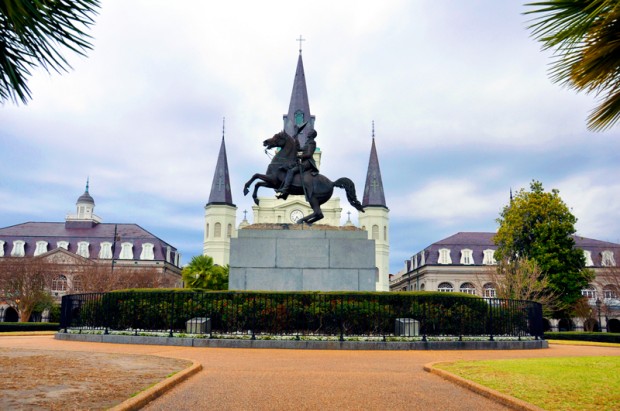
(598, 309)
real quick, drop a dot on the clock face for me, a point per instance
(296, 215)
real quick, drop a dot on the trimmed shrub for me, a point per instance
(7, 327)
(583, 336)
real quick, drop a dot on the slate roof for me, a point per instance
(373, 190)
(32, 232)
(299, 102)
(480, 241)
(220, 187)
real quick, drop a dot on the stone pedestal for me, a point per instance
(302, 258)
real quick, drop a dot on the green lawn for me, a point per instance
(578, 383)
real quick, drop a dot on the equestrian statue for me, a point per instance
(293, 171)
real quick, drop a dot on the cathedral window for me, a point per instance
(445, 288)
(18, 248)
(467, 257)
(489, 291)
(444, 256)
(59, 283)
(589, 292)
(105, 250)
(83, 249)
(468, 288)
(63, 244)
(299, 117)
(229, 231)
(588, 256)
(207, 231)
(147, 252)
(126, 251)
(41, 248)
(607, 259)
(385, 233)
(218, 230)
(375, 232)
(489, 257)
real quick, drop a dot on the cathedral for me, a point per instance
(220, 211)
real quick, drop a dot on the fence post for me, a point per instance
(171, 314)
(492, 302)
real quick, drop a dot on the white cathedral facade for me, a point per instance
(220, 211)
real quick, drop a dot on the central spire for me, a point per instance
(299, 106)
(220, 188)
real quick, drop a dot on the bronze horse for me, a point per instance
(316, 188)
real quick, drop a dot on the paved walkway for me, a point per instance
(312, 379)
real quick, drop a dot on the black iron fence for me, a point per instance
(302, 314)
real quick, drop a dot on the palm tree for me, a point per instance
(32, 32)
(202, 273)
(584, 35)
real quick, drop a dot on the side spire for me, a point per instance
(220, 187)
(373, 190)
(299, 106)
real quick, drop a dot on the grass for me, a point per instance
(590, 343)
(16, 333)
(566, 384)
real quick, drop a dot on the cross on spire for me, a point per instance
(300, 39)
(373, 129)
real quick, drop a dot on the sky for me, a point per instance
(459, 93)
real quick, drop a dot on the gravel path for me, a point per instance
(244, 379)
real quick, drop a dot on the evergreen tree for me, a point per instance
(201, 273)
(539, 226)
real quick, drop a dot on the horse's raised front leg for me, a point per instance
(257, 176)
(256, 187)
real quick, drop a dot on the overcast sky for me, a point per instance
(463, 107)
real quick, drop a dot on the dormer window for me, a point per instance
(444, 256)
(467, 257)
(414, 261)
(607, 259)
(63, 244)
(126, 251)
(41, 248)
(105, 250)
(147, 252)
(1, 248)
(489, 257)
(18, 248)
(588, 256)
(83, 249)
(422, 258)
(168, 254)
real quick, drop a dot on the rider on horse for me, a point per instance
(305, 162)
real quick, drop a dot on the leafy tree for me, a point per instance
(33, 33)
(584, 37)
(537, 225)
(202, 273)
(25, 284)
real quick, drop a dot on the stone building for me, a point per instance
(458, 264)
(84, 240)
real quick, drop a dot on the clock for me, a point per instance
(296, 215)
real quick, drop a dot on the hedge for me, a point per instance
(7, 327)
(583, 336)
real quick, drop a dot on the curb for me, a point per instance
(504, 399)
(157, 390)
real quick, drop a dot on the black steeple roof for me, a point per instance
(299, 106)
(220, 188)
(373, 191)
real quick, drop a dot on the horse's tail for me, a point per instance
(349, 188)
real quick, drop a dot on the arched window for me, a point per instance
(59, 283)
(610, 291)
(385, 233)
(445, 288)
(77, 284)
(589, 291)
(218, 230)
(229, 231)
(207, 231)
(468, 288)
(375, 232)
(488, 290)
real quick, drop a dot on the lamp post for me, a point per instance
(598, 309)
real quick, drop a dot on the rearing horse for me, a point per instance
(317, 189)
